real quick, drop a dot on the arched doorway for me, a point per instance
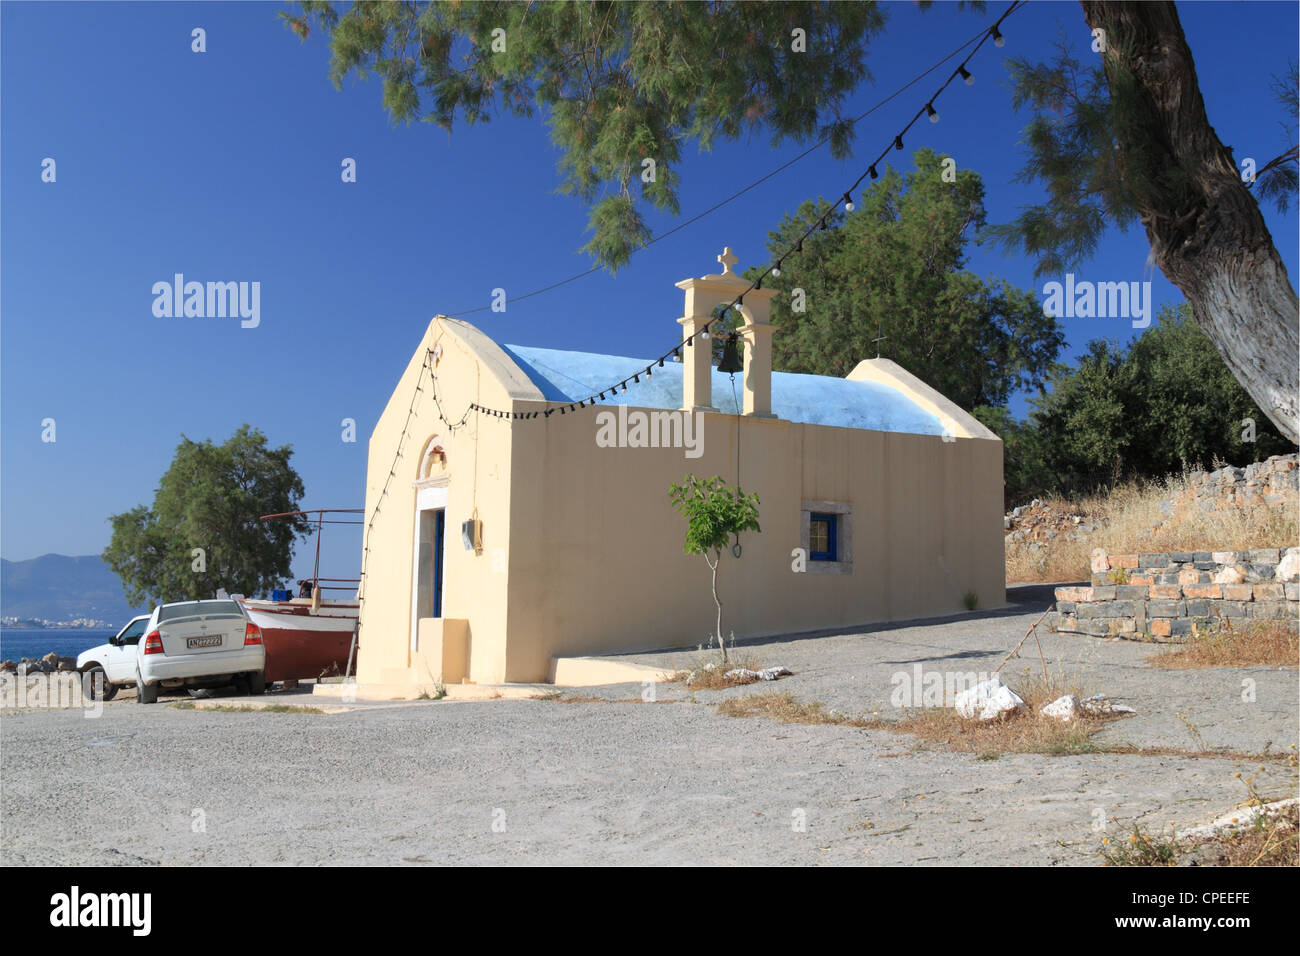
(430, 538)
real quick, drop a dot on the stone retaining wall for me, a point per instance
(1168, 596)
(1270, 482)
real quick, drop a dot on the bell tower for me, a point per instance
(705, 294)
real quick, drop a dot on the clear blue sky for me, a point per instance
(225, 166)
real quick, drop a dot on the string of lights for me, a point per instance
(392, 471)
(431, 359)
(773, 269)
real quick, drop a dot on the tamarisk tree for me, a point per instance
(203, 532)
(1130, 139)
(623, 86)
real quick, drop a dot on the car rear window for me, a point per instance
(172, 612)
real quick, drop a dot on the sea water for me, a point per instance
(19, 642)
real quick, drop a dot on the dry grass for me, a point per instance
(1272, 839)
(787, 710)
(248, 709)
(558, 698)
(1129, 521)
(702, 678)
(674, 677)
(1255, 643)
(1141, 848)
(1025, 732)
(1202, 752)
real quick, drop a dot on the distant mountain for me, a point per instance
(59, 588)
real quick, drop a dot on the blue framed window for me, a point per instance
(822, 534)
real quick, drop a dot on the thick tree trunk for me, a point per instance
(1204, 226)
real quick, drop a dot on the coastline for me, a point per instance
(36, 643)
(40, 624)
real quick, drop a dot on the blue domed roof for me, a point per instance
(563, 376)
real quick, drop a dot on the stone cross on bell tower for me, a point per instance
(728, 259)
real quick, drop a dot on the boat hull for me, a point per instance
(302, 644)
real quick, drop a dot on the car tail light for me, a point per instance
(153, 643)
(252, 634)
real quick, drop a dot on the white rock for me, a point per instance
(743, 675)
(1099, 704)
(1229, 575)
(1288, 569)
(988, 700)
(1237, 819)
(1064, 708)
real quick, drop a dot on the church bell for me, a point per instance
(730, 356)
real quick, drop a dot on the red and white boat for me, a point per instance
(308, 636)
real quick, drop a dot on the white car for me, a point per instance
(110, 666)
(198, 644)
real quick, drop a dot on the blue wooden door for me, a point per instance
(439, 527)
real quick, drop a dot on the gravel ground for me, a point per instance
(530, 781)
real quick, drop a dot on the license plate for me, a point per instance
(203, 641)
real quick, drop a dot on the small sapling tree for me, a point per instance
(714, 512)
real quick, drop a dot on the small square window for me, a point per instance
(826, 536)
(822, 532)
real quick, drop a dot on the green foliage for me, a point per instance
(714, 512)
(1025, 471)
(618, 82)
(1069, 144)
(1142, 848)
(1166, 401)
(897, 264)
(1071, 147)
(1278, 180)
(210, 498)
